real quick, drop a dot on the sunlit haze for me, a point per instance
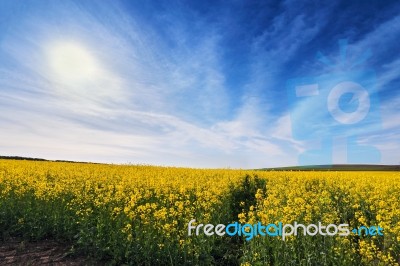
(240, 85)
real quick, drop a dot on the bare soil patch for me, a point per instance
(16, 251)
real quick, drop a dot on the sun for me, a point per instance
(72, 63)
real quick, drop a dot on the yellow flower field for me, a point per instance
(140, 214)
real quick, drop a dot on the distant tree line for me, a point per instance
(36, 159)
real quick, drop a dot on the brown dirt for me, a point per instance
(45, 252)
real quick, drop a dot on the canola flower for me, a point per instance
(139, 214)
(355, 198)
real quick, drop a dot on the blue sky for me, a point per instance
(200, 84)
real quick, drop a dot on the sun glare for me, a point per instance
(72, 63)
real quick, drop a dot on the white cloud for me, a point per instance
(147, 102)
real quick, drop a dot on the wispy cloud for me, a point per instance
(155, 91)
